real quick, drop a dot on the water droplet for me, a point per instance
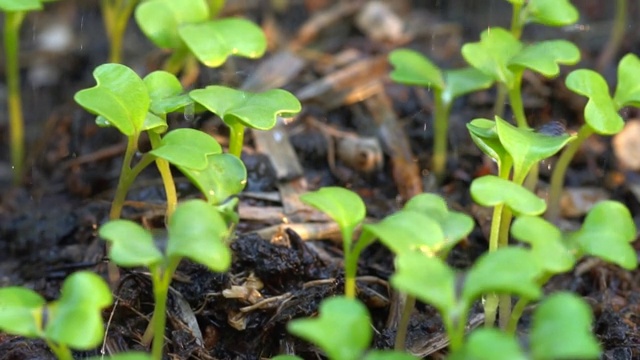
(277, 136)
(189, 111)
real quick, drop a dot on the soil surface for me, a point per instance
(357, 129)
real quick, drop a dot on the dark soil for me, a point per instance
(48, 224)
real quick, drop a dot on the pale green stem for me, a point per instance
(516, 21)
(116, 14)
(440, 129)
(518, 309)
(455, 329)
(167, 178)
(236, 138)
(617, 34)
(501, 96)
(403, 324)
(12, 24)
(176, 62)
(61, 351)
(515, 98)
(560, 170)
(215, 6)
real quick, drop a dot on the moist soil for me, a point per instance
(48, 224)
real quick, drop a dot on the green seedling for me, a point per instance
(342, 330)
(14, 13)
(240, 109)
(545, 12)
(196, 231)
(600, 115)
(502, 56)
(412, 68)
(116, 15)
(188, 29)
(561, 329)
(74, 321)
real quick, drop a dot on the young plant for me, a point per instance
(14, 13)
(197, 231)
(189, 30)
(600, 115)
(74, 321)
(116, 15)
(412, 68)
(545, 12)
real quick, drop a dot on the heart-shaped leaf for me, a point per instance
(342, 328)
(120, 97)
(160, 20)
(490, 190)
(412, 68)
(552, 12)
(607, 232)
(463, 81)
(489, 344)
(544, 56)
(408, 231)
(484, 135)
(601, 112)
(198, 231)
(76, 318)
(131, 244)
(546, 243)
(224, 176)
(562, 329)
(344, 206)
(492, 54)
(427, 278)
(254, 110)
(20, 5)
(187, 148)
(628, 88)
(212, 42)
(20, 310)
(527, 147)
(507, 270)
(166, 93)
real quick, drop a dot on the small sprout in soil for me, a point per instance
(116, 15)
(196, 231)
(239, 109)
(74, 321)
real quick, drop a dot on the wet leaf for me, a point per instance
(545, 56)
(508, 270)
(76, 318)
(254, 110)
(20, 311)
(552, 12)
(546, 241)
(601, 112)
(187, 148)
(407, 231)
(198, 231)
(562, 329)
(342, 328)
(131, 244)
(484, 135)
(490, 190)
(412, 68)
(224, 176)
(490, 344)
(160, 20)
(628, 88)
(212, 42)
(492, 54)
(120, 97)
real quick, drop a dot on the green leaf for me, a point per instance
(166, 93)
(463, 81)
(344, 206)
(407, 231)
(187, 148)
(130, 355)
(492, 54)
(527, 147)
(212, 42)
(607, 232)
(490, 190)
(544, 56)
(20, 5)
(131, 244)
(20, 310)
(427, 278)
(342, 329)
(455, 225)
(562, 329)
(489, 344)
(198, 231)
(628, 88)
(484, 135)
(388, 355)
(120, 97)
(505, 271)
(224, 175)
(601, 112)
(160, 20)
(552, 12)
(254, 110)
(546, 243)
(76, 318)
(412, 68)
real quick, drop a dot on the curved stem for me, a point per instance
(440, 138)
(617, 34)
(167, 178)
(12, 23)
(560, 170)
(515, 98)
(403, 324)
(125, 180)
(236, 138)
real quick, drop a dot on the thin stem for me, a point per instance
(214, 8)
(125, 180)
(116, 14)
(236, 138)
(515, 98)
(440, 129)
(617, 34)
(403, 324)
(176, 62)
(560, 170)
(516, 314)
(12, 22)
(167, 178)
(61, 351)
(455, 328)
(159, 320)
(501, 96)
